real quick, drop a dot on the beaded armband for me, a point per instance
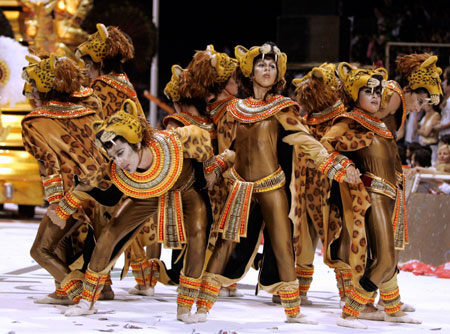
(67, 206)
(334, 167)
(215, 164)
(53, 188)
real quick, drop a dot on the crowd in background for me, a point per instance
(398, 21)
(424, 141)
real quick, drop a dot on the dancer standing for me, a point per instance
(258, 179)
(317, 208)
(377, 163)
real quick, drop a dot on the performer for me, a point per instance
(420, 80)
(317, 210)
(377, 163)
(210, 76)
(258, 179)
(58, 133)
(152, 168)
(104, 54)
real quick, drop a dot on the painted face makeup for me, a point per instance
(369, 100)
(265, 72)
(124, 155)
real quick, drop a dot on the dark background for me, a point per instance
(310, 32)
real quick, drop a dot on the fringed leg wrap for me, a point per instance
(356, 300)
(93, 285)
(209, 291)
(154, 274)
(142, 271)
(290, 299)
(305, 277)
(391, 301)
(59, 290)
(339, 285)
(188, 291)
(344, 282)
(108, 280)
(72, 285)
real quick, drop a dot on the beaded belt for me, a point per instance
(271, 182)
(234, 218)
(379, 185)
(171, 231)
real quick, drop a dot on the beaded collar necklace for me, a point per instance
(218, 108)
(119, 81)
(56, 109)
(325, 115)
(369, 122)
(166, 167)
(250, 110)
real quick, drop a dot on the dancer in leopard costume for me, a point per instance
(153, 170)
(59, 134)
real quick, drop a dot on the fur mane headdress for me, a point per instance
(207, 69)
(422, 72)
(106, 43)
(53, 73)
(319, 89)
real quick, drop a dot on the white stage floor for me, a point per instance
(22, 281)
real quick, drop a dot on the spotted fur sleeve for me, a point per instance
(196, 142)
(332, 165)
(346, 135)
(86, 188)
(49, 165)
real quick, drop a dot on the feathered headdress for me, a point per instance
(12, 61)
(207, 68)
(53, 73)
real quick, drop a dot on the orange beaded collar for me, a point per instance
(166, 167)
(250, 110)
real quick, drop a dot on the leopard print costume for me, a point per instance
(313, 214)
(113, 90)
(343, 136)
(224, 132)
(60, 137)
(196, 145)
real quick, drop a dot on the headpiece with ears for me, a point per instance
(247, 57)
(318, 89)
(95, 46)
(356, 78)
(325, 72)
(172, 89)
(223, 64)
(123, 123)
(42, 72)
(206, 69)
(422, 74)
